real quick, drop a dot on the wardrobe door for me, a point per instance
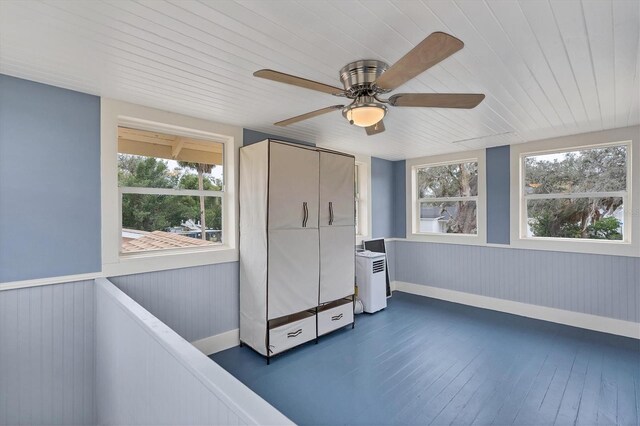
(293, 187)
(337, 192)
(337, 262)
(293, 271)
(337, 226)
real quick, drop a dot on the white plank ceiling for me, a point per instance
(548, 68)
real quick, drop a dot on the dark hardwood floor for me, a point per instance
(424, 361)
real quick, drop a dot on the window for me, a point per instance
(580, 193)
(577, 193)
(446, 198)
(152, 136)
(171, 191)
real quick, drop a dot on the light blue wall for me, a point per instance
(196, 302)
(382, 199)
(399, 199)
(49, 181)
(388, 198)
(251, 136)
(498, 175)
(47, 353)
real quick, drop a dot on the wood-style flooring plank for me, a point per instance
(425, 361)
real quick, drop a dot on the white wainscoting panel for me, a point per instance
(605, 286)
(47, 355)
(197, 302)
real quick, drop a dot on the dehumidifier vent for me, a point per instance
(378, 266)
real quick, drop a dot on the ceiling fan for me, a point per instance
(365, 80)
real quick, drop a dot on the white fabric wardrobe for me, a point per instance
(297, 241)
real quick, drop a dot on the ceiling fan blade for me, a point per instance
(433, 49)
(308, 115)
(281, 77)
(437, 100)
(375, 129)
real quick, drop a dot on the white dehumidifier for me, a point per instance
(371, 280)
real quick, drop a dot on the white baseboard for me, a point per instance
(219, 342)
(560, 316)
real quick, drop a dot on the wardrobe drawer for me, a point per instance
(292, 334)
(334, 318)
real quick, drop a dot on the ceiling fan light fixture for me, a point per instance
(364, 114)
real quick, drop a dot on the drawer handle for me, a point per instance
(294, 333)
(330, 213)
(336, 317)
(305, 214)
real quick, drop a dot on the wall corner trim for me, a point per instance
(213, 344)
(559, 316)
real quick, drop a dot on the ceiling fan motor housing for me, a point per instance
(358, 77)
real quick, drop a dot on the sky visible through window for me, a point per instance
(552, 157)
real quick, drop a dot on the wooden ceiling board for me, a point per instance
(547, 68)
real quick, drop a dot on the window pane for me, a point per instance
(451, 180)
(154, 222)
(595, 218)
(158, 160)
(589, 170)
(454, 217)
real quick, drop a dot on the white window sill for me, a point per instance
(602, 247)
(161, 260)
(610, 248)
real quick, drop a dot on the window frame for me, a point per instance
(413, 202)
(357, 198)
(116, 113)
(363, 231)
(628, 246)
